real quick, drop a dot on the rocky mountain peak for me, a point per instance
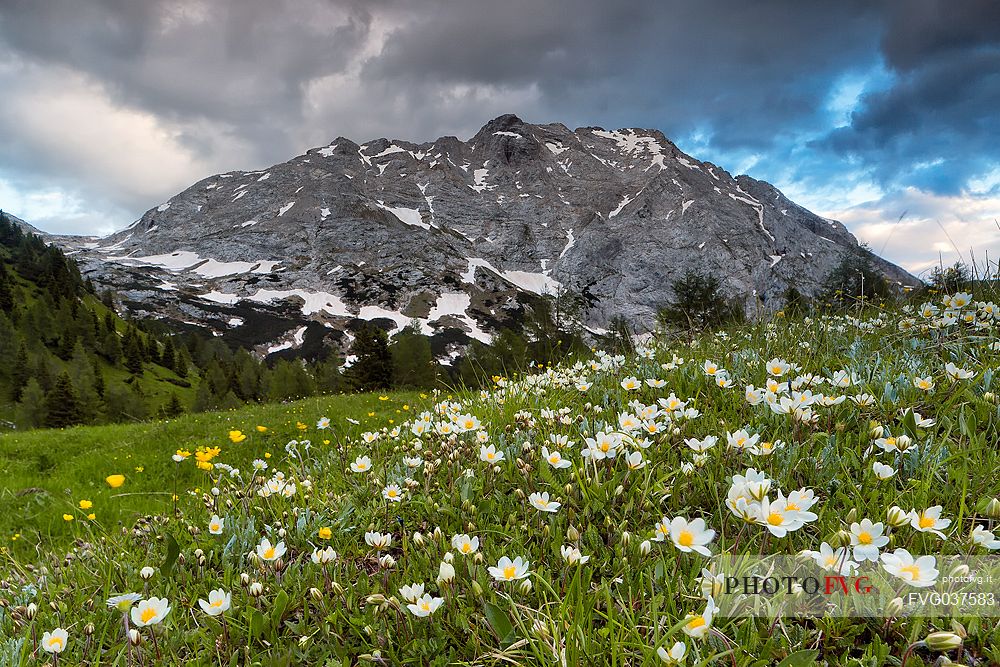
(462, 237)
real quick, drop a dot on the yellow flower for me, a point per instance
(86, 504)
(114, 481)
(383, 398)
(325, 533)
(262, 429)
(67, 517)
(300, 426)
(371, 414)
(326, 442)
(91, 516)
(204, 465)
(237, 436)
(267, 455)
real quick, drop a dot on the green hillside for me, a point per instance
(566, 516)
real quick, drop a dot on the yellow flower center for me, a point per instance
(554, 458)
(466, 548)
(509, 572)
(269, 554)
(926, 521)
(56, 641)
(791, 506)
(217, 603)
(865, 538)
(775, 518)
(426, 606)
(147, 614)
(685, 539)
(912, 570)
(392, 493)
(696, 622)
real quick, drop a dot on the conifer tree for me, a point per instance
(6, 290)
(372, 370)
(61, 406)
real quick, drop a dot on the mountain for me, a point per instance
(462, 236)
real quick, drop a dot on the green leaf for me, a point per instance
(500, 623)
(173, 551)
(258, 622)
(800, 659)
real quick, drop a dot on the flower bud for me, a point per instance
(446, 572)
(645, 547)
(316, 594)
(146, 573)
(525, 586)
(418, 539)
(894, 608)
(852, 516)
(993, 508)
(626, 538)
(572, 534)
(88, 629)
(943, 641)
(31, 610)
(387, 561)
(959, 629)
(244, 578)
(336, 588)
(540, 629)
(897, 517)
(477, 590)
(134, 637)
(959, 571)
(256, 589)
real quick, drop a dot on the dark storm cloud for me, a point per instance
(120, 103)
(937, 125)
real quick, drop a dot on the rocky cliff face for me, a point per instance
(461, 236)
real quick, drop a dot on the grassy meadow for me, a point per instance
(549, 520)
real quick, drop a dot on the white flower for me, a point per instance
(509, 570)
(691, 536)
(146, 573)
(675, 655)
(323, 556)
(867, 539)
(572, 555)
(541, 502)
(929, 521)
(412, 592)
(833, 560)
(777, 367)
(123, 602)
(882, 471)
(956, 373)
(425, 606)
(702, 445)
(985, 538)
(218, 602)
(446, 572)
(920, 572)
(270, 552)
(361, 464)
(631, 384)
(602, 446)
(464, 544)
(635, 461)
(149, 612)
(555, 459)
(378, 540)
(923, 383)
(490, 454)
(216, 525)
(698, 625)
(392, 493)
(323, 423)
(55, 641)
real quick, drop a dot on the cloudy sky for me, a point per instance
(885, 115)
